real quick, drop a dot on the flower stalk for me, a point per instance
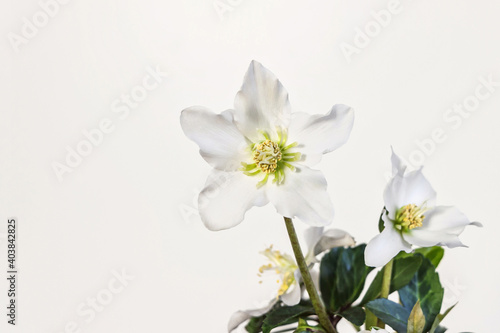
(319, 308)
(386, 285)
(371, 319)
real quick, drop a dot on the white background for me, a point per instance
(129, 204)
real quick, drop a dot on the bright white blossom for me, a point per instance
(288, 272)
(261, 152)
(411, 217)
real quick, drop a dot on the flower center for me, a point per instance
(281, 264)
(410, 216)
(266, 156)
(271, 157)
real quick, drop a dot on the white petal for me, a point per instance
(444, 217)
(333, 238)
(303, 195)
(243, 315)
(221, 143)
(321, 134)
(312, 235)
(385, 246)
(237, 319)
(441, 226)
(262, 103)
(398, 167)
(315, 277)
(427, 238)
(226, 198)
(412, 188)
(292, 295)
(418, 190)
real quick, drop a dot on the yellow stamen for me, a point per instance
(271, 156)
(266, 156)
(281, 264)
(410, 216)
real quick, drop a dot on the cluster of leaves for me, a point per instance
(343, 275)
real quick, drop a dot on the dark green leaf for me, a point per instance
(355, 315)
(328, 274)
(416, 321)
(390, 313)
(403, 270)
(434, 254)
(374, 289)
(426, 287)
(342, 276)
(285, 315)
(380, 221)
(255, 324)
(442, 329)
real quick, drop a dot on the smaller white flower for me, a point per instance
(412, 218)
(286, 268)
(288, 272)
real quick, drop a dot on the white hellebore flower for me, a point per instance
(411, 217)
(262, 153)
(288, 272)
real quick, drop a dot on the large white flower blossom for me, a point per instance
(289, 292)
(261, 152)
(411, 217)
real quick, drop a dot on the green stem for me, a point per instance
(371, 320)
(386, 286)
(306, 276)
